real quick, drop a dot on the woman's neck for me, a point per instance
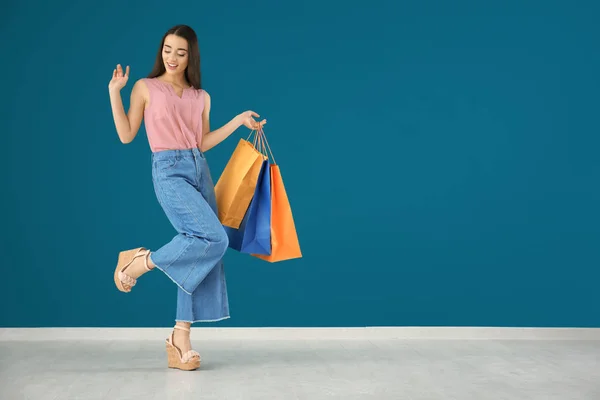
(178, 80)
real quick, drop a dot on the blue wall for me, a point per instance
(441, 159)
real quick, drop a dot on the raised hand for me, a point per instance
(119, 80)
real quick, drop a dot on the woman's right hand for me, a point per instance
(119, 80)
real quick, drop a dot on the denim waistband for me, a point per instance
(177, 154)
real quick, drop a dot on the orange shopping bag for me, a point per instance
(284, 238)
(235, 187)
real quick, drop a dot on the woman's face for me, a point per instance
(175, 54)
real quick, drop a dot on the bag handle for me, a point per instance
(265, 141)
(248, 138)
(259, 145)
(260, 139)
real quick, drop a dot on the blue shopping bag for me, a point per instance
(257, 234)
(236, 235)
(254, 234)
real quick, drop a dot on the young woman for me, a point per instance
(176, 110)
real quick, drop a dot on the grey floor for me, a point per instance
(343, 369)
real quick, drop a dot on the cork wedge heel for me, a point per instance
(188, 361)
(123, 281)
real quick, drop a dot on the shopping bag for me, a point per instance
(254, 233)
(236, 185)
(257, 233)
(284, 238)
(236, 235)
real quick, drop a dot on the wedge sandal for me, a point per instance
(188, 361)
(123, 281)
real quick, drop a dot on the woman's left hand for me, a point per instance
(246, 119)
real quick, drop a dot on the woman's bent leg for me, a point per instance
(201, 241)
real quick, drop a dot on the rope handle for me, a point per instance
(260, 139)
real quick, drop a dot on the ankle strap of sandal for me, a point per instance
(146, 255)
(182, 328)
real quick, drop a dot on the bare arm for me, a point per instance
(128, 125)
(211, 139)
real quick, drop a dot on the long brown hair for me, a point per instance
(192, 72)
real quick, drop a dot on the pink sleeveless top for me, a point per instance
(173, 123)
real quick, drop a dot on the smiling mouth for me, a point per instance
(172, 65)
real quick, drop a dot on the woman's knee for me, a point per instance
(216, 238)
(221, 240)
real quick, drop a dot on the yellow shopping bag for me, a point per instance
(235, 187)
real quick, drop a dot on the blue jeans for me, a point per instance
(193, 258)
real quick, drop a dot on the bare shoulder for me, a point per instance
(206, 101)
(140, 91)
(140, 86)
